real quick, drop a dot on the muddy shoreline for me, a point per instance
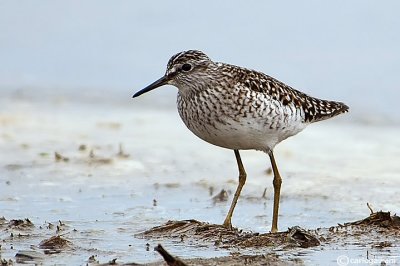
(379, 231)
(80, 182)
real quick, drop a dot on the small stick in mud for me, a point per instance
(169, 259)
(58, 157)
(370, 208)
(221, 196)
(264, 195)
(121, 152)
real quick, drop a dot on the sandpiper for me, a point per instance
(240, 109)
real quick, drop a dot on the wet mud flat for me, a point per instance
(98, 189)
(380, 233)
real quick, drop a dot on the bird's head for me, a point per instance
(188, 71)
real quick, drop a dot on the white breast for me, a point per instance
(243, 122)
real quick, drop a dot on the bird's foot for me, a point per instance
(227, 224)
(274, 229)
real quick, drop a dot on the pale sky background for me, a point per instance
(341, 50)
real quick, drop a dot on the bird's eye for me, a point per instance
(186, 67)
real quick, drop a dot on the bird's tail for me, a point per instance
(318, 110)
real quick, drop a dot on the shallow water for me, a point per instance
(330, 171)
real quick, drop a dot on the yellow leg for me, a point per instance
(242, 179)
(277, 192)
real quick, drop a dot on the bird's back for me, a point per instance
(314, 109)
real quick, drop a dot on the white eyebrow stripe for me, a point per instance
(179, 55)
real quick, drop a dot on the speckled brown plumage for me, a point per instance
(314, 109)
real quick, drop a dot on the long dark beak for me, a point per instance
(152, 86)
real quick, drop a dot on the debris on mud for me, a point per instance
(235, 259)
(121, 153)
(169, 185)
(4, 262)
(92, 261)
(18, 224)
(169, 259)
(82, 147)
(94, 159)
(225, 238)
(28, 257)
(292, 238)
(60, 158)
(191, 228)
(54, 244)
(26, 223)
(268, 171)
(239, 260)
(222, 196)
(302, 238)
(378, 230)
(381, 219)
